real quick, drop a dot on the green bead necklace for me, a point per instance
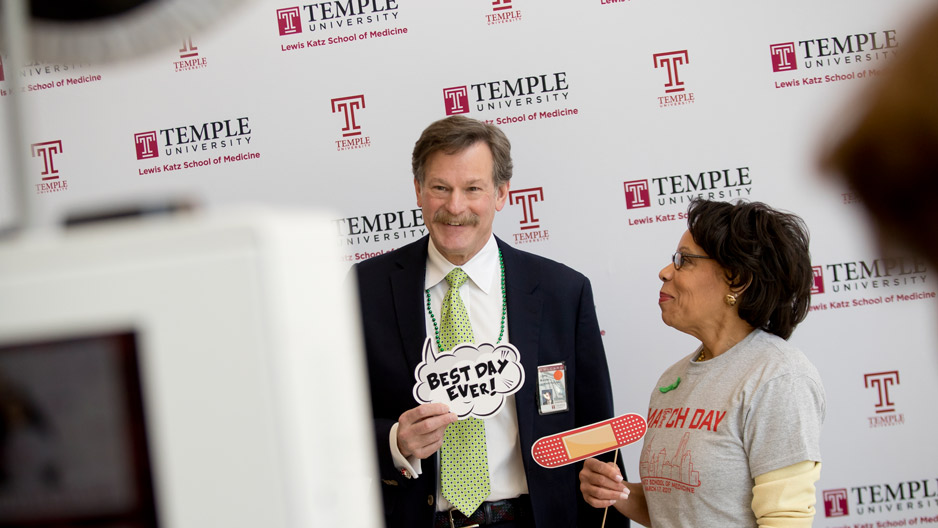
(501, 333)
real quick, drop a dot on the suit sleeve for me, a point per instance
(404, 500)
(593, 397)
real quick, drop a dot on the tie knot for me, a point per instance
(456, 278)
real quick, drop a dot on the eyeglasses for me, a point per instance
(679, 258)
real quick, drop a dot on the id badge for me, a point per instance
(552, 388)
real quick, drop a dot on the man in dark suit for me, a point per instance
(462, 169)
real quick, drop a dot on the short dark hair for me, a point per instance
(457, 133)
(762, 249)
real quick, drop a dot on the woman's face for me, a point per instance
(691, 298)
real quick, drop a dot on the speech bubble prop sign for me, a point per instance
(473, 381)
(587, 441)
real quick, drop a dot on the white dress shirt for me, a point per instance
(482, 295)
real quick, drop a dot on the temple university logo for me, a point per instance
(783, 57)
(670, 61)
(456, 100)
(502, 13)
(50, 176)
(835, 503)
(392, 227)
(351, 131)
(47, 151)
(675, 93)
(527, 198)
(146, 145)
(881, 381)
(288, 21)
(636, 194)
(189, 57)
(885, 408)
(817, 284)
(348, 105)
(188, 50)
(530, 224)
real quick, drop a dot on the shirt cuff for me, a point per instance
(410, 467)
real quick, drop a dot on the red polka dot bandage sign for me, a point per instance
(590, 440)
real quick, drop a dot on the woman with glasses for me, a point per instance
(733, 427)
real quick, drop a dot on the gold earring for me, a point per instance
(730, 299)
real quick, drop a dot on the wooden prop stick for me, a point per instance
(606, 511)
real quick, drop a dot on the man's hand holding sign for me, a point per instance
(466, 381)
(420, 430)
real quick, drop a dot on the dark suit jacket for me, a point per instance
(551, 319)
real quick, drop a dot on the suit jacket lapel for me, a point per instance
(407, 286)
(524, 320)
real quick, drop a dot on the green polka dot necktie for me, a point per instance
(464, 459)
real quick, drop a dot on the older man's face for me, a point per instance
(459, 200)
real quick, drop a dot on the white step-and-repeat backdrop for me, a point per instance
(619, 113)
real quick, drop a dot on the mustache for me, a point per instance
(466, 219)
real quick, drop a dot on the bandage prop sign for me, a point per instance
(587, 441)
(473, 381)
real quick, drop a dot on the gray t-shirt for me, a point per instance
(755, 408)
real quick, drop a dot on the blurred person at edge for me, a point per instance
(888, 154)
(743, 412)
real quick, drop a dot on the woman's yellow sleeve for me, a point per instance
(785, 498)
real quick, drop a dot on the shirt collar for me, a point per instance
(481, 268)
